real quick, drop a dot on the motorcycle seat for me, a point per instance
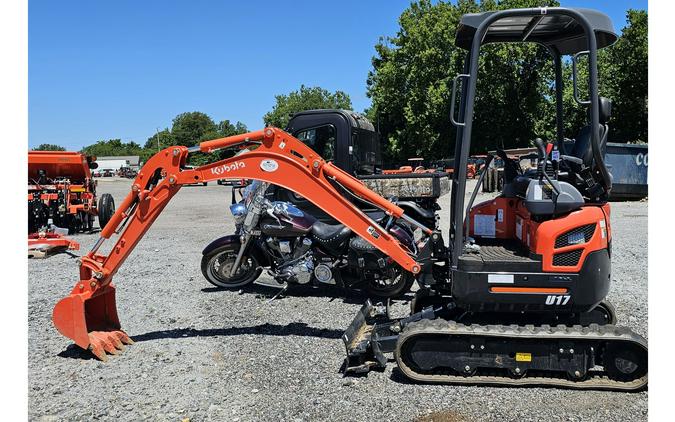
(361, 245)
(330, 236)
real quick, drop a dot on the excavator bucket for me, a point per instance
(90, 319)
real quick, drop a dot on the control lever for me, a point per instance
(541, 147)
(512, 169)
(502, 154)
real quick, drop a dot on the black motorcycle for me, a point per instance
(296, 248)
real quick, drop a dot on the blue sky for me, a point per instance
(122, 69)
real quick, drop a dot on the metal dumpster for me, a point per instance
(628, 165)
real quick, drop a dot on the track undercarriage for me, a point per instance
(442, 344)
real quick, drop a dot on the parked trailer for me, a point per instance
(113, 165)
(628, 164)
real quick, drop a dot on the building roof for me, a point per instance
(133, 160)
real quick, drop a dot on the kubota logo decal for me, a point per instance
(226, 168)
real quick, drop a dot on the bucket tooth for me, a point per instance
(98, 351)
(104, 340)
(115, 339)
(124, 338)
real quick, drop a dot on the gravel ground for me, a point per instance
(207, 354)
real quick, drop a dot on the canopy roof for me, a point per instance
(561, 32)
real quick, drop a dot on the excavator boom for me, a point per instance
(89, 314)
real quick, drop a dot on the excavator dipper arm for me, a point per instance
(89, 314)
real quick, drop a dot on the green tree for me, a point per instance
(306, 98)
(622, 77)
(160, 140)
(114, 147)
(222, 129)
(411, 81)
(49, 147)
(627, 80)
(190, 128)
(226, 128)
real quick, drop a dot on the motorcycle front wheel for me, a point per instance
(217, 265)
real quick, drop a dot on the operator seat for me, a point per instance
(582, 148)
(572, 186)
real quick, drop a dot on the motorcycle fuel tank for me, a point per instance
(287, 221)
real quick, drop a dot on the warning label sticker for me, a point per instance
(484, 225)
(523, 357)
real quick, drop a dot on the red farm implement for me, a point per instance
(62, 193)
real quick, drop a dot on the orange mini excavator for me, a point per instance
(515, 298)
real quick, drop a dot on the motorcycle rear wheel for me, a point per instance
(217, 264)
(399, 285)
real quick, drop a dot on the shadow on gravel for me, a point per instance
(351, 297)
(53, 253)
(398, 377)
(76, 352)
(293, 329)
(267, 291)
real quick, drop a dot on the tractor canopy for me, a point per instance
(563, 34)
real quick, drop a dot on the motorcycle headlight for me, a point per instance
(238, 212)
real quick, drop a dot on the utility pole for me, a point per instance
(157, 136)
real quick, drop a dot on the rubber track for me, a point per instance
(592, 332)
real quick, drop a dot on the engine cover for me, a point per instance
(323, 274)
(299, 272)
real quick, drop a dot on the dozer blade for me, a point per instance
(90, 319)
(366, 340)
